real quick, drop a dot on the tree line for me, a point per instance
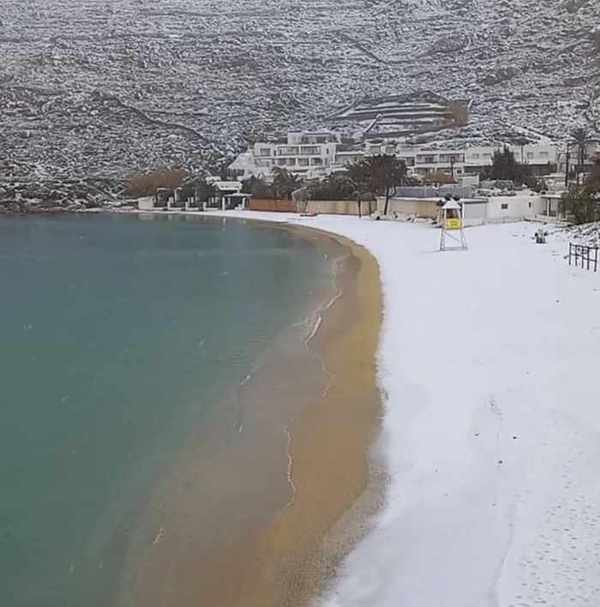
(380, 175)
(581, 202)
(362, 181)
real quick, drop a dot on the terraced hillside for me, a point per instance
(104, 87)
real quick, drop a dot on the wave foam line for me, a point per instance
(325, 307)
(246, 379)
(314, 330)
(159, 536)
(290, 467)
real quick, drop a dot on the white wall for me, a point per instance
(146, 203)
(474, 214)
(537, 153)
(517, 207)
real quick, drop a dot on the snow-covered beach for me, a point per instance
(487, 364)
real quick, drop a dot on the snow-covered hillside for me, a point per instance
(106, 87)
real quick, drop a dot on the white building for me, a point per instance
(226, 195)
(499, 209)
(316, 154)
(476, 210)
(542, 157)
(308, 154)
(458, 161)
(513, 208)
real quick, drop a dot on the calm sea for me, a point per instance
(120, 336)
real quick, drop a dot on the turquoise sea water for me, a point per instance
(118, 336)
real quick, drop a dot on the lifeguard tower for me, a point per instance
(453, 234)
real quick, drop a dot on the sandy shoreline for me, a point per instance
(290, 559)
(339, 487)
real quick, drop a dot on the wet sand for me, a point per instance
(310, 436)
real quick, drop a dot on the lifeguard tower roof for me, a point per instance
(451, 204)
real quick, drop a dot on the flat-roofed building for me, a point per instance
(543, 158)
(316, 154)
(306, 153)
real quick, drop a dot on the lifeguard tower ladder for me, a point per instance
(453, 234)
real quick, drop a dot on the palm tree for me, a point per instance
(581, 138)
(380, 174)
(284, 182)
(522, 141)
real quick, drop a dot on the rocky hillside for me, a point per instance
(104, 87)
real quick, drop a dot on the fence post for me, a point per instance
(587, 257)
(570, 252)
(580, 255)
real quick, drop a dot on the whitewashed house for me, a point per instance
(476, 210)
(310, 154)
(227, 195)
(514, 208)
(541, 157)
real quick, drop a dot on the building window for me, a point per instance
(287, 151)
(264, 151)
(504, 206)
(303, 162)
(450, 158)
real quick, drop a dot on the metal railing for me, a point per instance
(583, 256)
